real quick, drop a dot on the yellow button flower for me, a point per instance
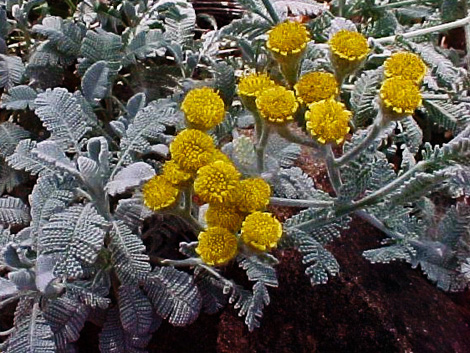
(174, 174)
(219, 215)
(408, 66)
(217, 182)
(328, 121)
(159, 193)
(349, 45)
(192, 149)
(288, 38)
(261, 231)
(253, 195)
(203, 108)
(316, 86)
(277, 105)
(400, 95)
(252, 85)
(217, 246)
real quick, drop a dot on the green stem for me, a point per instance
(424, 31)
(333, 172)
(261, 146)
(374, 132)
(280, 201)
(271, 11)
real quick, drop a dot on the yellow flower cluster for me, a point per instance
(349, 45)
(277, 105)
(316, 86)
(234, 205)
(288, 38)
(328, 121)
(400, 92)
(203, 108)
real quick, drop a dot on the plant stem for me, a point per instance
(377, 223)
(285, 132)
(192, 261)
(374, 132)
(271, 10)
(261, 146)
(333, 172)
(341, 4)
(7, 332)
(398, 4)
(379, 194)
(280, 201)
(71, 5)
(420, 32)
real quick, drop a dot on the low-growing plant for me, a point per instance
(116, 111)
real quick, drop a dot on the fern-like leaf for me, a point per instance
(101, 45)
(10, 135)
(174, 295)
(135, 310)
(447, 115)
(127, 251)
(363, 96)
(19, 97)
(66, 317)
(32, 333)
(11, 71)
(76, 235)
(24, 159)
(13, 211)
(62, 115)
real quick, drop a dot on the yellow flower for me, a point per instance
(203, 108)
(316, 86)
(261, 231)
(217, 182)
(174, 174)
(224, 216)
(253, 195)
(277, 104)
(327, 120)
(217, 246)
(349, 45)
(400, 95)
(159, 193)
(252, 85)
(288, 38)
(192, 149)
(408, 66)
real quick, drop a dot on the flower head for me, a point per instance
(316, 86)
(288, 38)
(217, 182)
(217, 246)
(192, 149)
(253, 195)
(224, 216)
(277, 104)
(261, 231)
(408, 66)
(159, 193)
(328, 121)
(252, 85)
(349, 45)
(174, 174)
(203, 108)
(400, 95)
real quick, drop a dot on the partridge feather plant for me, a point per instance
(150, 131)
